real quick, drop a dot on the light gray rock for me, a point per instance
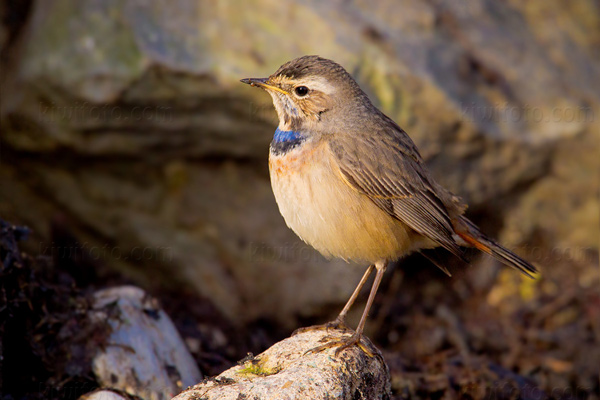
(284, 371)
(103, 395)
(144, 355)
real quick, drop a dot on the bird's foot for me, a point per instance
(337, 323)
(342, 343)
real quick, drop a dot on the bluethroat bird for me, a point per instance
(352, 184)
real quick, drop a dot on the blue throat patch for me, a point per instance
(286, 136)
(284, 141)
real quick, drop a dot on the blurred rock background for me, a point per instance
(124, 125)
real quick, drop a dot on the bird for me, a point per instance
(352, 184)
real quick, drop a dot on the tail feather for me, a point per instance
(434, 262)
(474, 237)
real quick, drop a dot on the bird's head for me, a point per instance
(309, 92)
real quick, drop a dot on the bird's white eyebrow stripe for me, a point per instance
(317, 83)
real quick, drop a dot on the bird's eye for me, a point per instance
(301, 91)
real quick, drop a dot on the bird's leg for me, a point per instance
(339, 322)
(354, 339)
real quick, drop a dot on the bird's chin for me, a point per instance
(286, 111)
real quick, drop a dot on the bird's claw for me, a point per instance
(341, 343)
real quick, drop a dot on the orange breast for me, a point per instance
(328, 214)
(295, 161)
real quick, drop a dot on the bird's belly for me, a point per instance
(331, 216)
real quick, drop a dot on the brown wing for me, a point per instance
(387, 167)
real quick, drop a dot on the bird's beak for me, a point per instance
(262, 83)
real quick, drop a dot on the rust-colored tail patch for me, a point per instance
(474, 242)
(469, 232)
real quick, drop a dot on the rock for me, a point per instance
(129, 117)
(284, 371)
(104, 395)
(144, 355)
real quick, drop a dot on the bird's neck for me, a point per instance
(285, 141)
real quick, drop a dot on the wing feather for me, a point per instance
(386, 167)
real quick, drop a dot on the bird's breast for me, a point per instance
(327, 213)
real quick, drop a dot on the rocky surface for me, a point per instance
(104, 395)
(144, 355)
(285, 371)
